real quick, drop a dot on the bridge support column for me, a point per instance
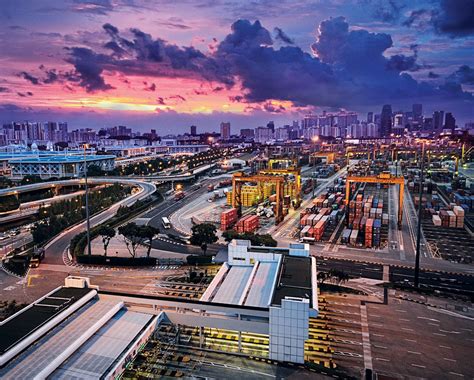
(240, 341)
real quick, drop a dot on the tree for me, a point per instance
(132, 237)
(230, 235)
(107, 233)
(95, 171)
(148, 233)
(203, 234)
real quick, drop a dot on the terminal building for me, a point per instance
(78, 331)
(57, 166)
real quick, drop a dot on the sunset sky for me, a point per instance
(170, 64)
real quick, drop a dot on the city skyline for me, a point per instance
(98, 64)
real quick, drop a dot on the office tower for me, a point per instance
(417, 110)
(263, 135)
(282, 133)
(438, 117)
(271, 125)
(450, 122)
(247, 133)
(370, 117)
(62, 132)
(427, 124)
(193, 130)
(225, 131)
(309, 121)
(386, 121)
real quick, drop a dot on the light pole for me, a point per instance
(88, 231)
(418, 232)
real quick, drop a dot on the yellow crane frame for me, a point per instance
(384, 179)
(290, 171)
(239, 178)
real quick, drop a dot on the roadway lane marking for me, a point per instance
(456, 374)
(401, 311)
(414, 352)
(450, 360)
(410, 340)
(365, 337)
(382, 359)
(439, 334)
(404, 319)
(418, 365)
(377, 346)
(447, 347)
(380, 335)
(407, 329)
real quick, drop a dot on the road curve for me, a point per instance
(55, 248)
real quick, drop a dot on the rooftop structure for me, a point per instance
(71, 333)
(280, 279)
(57, 165)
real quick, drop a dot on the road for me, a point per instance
(54, 249)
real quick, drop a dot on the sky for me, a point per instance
(169, 64)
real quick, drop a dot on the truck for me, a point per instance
(36, 258)
(179, 195)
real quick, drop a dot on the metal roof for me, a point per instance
(233, 285)
(94, 357)
(32, 318)
(262, 285)
(36, 357)
(59, 159)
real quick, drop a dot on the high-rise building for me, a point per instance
(225, 131)
(438, 117)
(62, 132)
(370, 117)
(193, 130)
(417, 110)
(450, 122)
(263, 135)
(247, 133)
(282, 133)
(386, 121)
(271, 125)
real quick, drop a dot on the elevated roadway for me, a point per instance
(55, 248)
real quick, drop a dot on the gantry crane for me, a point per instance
(330, 156)
(239, 178)
(296, 172)
(385, 178)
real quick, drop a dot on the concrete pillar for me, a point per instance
(240, 341)
(201, 337)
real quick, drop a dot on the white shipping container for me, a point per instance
(436, 220)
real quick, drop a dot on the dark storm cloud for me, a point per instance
(402, 62)
(463, 75)
(4, 89)
(347, 67)
(287, 73)
(151, 87)
(386, 10)
(30, 78)
(454, 18)
(100, 7)
(282, 36)
(88, 67)
(269, 107)
(433, 75)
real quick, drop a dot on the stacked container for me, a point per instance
(248, 223)
(228, 218)
(377, 225)
(368, 232)
(459, 212)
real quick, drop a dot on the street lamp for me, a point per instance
(88, 231)
(418, 232)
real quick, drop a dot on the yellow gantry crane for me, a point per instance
(384, 178)
(240, 178)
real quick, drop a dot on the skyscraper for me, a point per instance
(271, 125)
(386, 121)
(193, 130)
(417, 110)
(450, 122)
(370, 117)
(438, 117)
(225, 131)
